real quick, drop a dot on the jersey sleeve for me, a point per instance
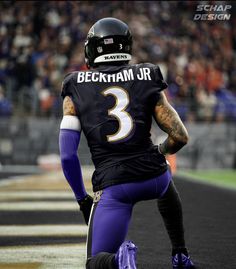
(159, 80)
(67, 86)
(68, 89)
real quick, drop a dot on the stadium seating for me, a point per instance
(39, 44)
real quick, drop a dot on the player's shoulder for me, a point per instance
(147, 65)
(155, 71)
(154, 68)
(70, 77)
(68, 84)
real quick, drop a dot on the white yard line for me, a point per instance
(36, 206)
(51, 257)
(66, 256)
(35, 194)
(43, 230)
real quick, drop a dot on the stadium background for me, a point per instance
(39, 44)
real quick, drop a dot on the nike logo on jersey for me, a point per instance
(125, 75)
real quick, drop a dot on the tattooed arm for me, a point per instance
(68, 107)
(169, 121)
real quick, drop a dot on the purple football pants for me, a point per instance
(111, 215)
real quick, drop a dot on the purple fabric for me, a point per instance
(68, 144)
(113, 212)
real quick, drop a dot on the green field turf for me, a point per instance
(222, 178)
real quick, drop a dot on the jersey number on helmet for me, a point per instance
(125, 121)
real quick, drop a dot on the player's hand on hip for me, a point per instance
(86, 206)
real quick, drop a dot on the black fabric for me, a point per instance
(90, 233)
(179, 250)
(170, 208)
(102, 260)
(85, 207)
(135, 154)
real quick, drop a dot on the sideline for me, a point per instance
(205, 181)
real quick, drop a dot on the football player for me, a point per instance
(113, 103)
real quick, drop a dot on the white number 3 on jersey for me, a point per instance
(118, 111)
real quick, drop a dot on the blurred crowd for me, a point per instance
(40, 42)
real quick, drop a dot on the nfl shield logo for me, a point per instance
(99, 49)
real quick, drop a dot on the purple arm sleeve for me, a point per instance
(68, 144)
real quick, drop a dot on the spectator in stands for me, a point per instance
(206, 102)
(44, 42)
(5, 105)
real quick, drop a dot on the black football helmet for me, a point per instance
(109, 40)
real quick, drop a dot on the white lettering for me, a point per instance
(220, 8)
(88, 76)
(213, 7)
(111, 77)
(146, 73)
(102, 77)
(200, 7)
(223, 17)
(212, 17)
(204, 16)
(119, 77)
(115, 57)
(80, 77)
(128, 75)
(227, 16)
(95, 77)
(197, 17)
(140, 75)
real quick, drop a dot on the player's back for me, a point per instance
(115, 105)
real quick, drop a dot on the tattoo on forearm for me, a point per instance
(169, 121)
(68, 107)
(170, 146)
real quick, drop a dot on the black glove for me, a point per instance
(85, 206)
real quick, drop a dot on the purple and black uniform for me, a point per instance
(133, 157)
(115, 106)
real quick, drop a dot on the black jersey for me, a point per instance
(115, 105)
